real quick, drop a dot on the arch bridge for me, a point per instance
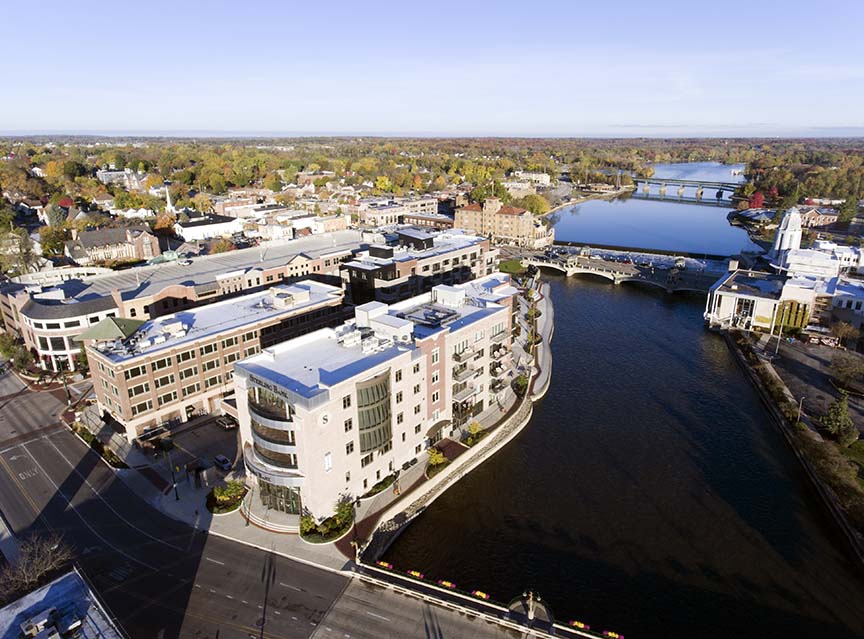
(699, 185)
(666, 278)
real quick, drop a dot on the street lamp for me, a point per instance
(173, 479)
(800, 406)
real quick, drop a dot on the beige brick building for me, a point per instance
(504, 224)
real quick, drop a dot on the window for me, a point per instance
(186, 373)
(250, 351)
(435, 377)
(191, 389)
(231, 357)
(132, 312)
(347, 476)
(143, 407)
(159, 364)
(164, 381)
(185, 356)
(251, 334)
(366, 460)
(417, 409)
(346, 401)
(435, 356)
(377, 475)
(136, 371)
(349, 448)
(167, 398)
(139, 389)
(213, 381)
(209, 366)
(417, 449)
(403, 437)
(479, 335)
(399, 375)
(231, 341)
(416, 389)
(417, 429)
(208, 348)
(72, 324)
(328, 462)
(435, 397)
(349, 424)
(399, 397)
(400, 418)
(416, 368)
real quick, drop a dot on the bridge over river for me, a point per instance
(699, 185)
(667, 272)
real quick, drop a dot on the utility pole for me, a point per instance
(800, 406)
(173, 479)
(780, 334)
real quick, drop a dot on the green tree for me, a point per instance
(202, 202)
(520, 385)
(849, 208)
(22, 359)
(436, 457)
(847, 369)
(52, 239)
(8, 345)
(537, 204)
(221, 246)
(837, 419)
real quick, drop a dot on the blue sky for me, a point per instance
(621, 68)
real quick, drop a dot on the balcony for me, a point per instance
(498, 354)
(499, 337)
(497, 371)
(465, 355)
(463, 373)
(497, 385)
(466, 393)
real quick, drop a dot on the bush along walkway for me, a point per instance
(834, 476)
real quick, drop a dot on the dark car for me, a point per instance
(223, 462)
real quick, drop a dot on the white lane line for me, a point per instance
(277, 612)
(211, 590)
(214, 561)
(100, 498)
(291, 587)
(78, 514)
(244, 601)
(229, 596)
(260, 607)
(294, 618)
(372, 614)
(197, 586)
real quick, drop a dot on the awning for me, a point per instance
(436, 428)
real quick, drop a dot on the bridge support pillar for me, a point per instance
(646, 187)
(663, 189)
(681, 191)
(699, 193)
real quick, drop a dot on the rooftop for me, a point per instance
(443, 242)
(148, 280)
(171, 331)
(754, 283)
(75, 610)
(310, 364)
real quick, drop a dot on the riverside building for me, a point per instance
(326, 416)
(504, 224)
(419, 261)
(147, 374)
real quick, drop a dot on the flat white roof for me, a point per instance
(220, 317)
(443, 242)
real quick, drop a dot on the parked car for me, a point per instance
(223, 462)
(226, 422)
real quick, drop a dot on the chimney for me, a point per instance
(733, 265)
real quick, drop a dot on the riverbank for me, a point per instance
(841, 495)
(574, 201)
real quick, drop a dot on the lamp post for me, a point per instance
(173, 479)
(800, 406)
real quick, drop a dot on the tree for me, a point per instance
(221, 246)
(22, 359)
(537, 204)
(847, 435)
(55, 215)
(849, 208)
(847, 369)
(8, 345)
(474, 428)
(844, 331)
(53, 239)
(837, 419)
(520, 385)
(436, 457)
(39, 559)
(202, 202)
(757, 200)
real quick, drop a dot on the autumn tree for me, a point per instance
(40, 558)
(537, 204)
(845, 332)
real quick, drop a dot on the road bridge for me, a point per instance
(699, 185)
(670, 278)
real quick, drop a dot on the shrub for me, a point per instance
(436, 457)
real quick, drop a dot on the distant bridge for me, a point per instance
(670, 279)
(699, 185)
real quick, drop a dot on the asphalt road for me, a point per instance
(159, 577)
(365, 611)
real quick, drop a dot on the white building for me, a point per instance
(328, 415)
(788, 236)
(208, 227)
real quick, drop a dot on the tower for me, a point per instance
(169, 208)
(788, 236)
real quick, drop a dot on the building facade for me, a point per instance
(162, 371)
(125, 244)
(504, 224)
(418, 262)
(326, 416)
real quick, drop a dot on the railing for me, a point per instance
(465, 355)
(269, 411)
(466, 372)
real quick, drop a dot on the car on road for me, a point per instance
(223, 462)
(225, 422)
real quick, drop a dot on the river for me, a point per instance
(654, 223)
(649, 495)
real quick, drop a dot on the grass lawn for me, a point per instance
(514, 267)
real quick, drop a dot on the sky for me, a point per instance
(599, 68)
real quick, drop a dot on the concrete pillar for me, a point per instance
(699, 193)
(681, 191)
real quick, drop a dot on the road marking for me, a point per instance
(291, 587)
(110, 507)
(294, 618)
(260, 607)
(78, 514)
(244, 601)
(277, 612)
(229, 596)
(214, 561)
(197, 586)
(211, 590)
(377, 616)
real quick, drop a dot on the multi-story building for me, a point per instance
(437, 221)
(48, 314)
(329, 414)
(387, 212)
(504, 224)
(131, 243)
(208, 227)
(535, 177)
(418, 262)
(164, 370)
